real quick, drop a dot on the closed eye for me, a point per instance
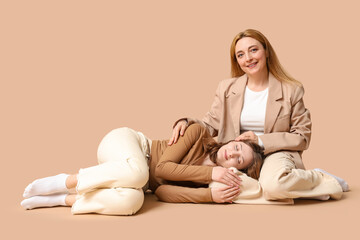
(241, 154)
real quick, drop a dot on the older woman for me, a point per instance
(264, 104)
(129, 160)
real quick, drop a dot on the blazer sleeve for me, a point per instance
(298, 138)
(179, 194)
(211, 120)
(169, 166)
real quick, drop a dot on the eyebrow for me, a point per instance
(248, 48)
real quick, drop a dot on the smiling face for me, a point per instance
(251, 56)
(235, 154)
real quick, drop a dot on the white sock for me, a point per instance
(44, 201)
(47, 186)
(342, 182)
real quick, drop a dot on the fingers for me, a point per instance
(171, 141)
(230, 193)
(243, 137)
(234, 178)
(179, 130)
(239, 138)
(249, 135)
(175, 136)
(182, 131)
(231, 179)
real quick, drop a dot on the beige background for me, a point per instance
(71, 71)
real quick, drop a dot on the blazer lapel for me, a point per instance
(236, 101)
(273, 106)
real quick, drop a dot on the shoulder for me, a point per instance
(294, 91)
(231, 84)
(228, 81)
(196, 131)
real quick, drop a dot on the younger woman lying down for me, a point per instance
(130, 163)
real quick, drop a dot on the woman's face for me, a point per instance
(235, 154)
(251, 56)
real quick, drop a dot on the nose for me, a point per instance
(233, 154)
(248, 57)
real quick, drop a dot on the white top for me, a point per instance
(252, 116)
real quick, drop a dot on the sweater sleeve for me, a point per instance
(178, 194)
(169, 166)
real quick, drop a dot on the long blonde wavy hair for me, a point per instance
(272, 61)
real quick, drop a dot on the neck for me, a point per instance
(207, 162)
(259, 81)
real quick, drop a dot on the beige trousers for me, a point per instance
(114, 187)
(280, 182)
(280, 179)
(251, 191)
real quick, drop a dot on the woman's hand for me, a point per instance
(179, 129)
(224, 194)
(226, 176)
(250, 136)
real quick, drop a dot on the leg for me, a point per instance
(251, 191)
(123, 162)
(71, 181)
(49, 201)
(122, 154)
(60, 183)
(113, 201)
(70, 199)
(47, 186)
(280, 179)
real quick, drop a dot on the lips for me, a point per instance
(252, 65)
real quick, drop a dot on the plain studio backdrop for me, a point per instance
(71, 71)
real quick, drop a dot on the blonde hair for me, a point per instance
(272, 61)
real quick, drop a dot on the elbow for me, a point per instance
(302, 144)
(158, 171)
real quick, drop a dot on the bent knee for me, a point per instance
(127, 202)
(133, 200)
(138, 179)
(134, 177)
(274, 189)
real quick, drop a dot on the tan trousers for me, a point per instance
(114, 187)
(280, 179)
(280, 182)
(251, 191)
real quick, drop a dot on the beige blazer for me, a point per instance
(287, 121)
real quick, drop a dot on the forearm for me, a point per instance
(178, 172)
(178, 194)
(284, 141)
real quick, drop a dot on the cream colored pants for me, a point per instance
(114, 187)
(280, 179)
